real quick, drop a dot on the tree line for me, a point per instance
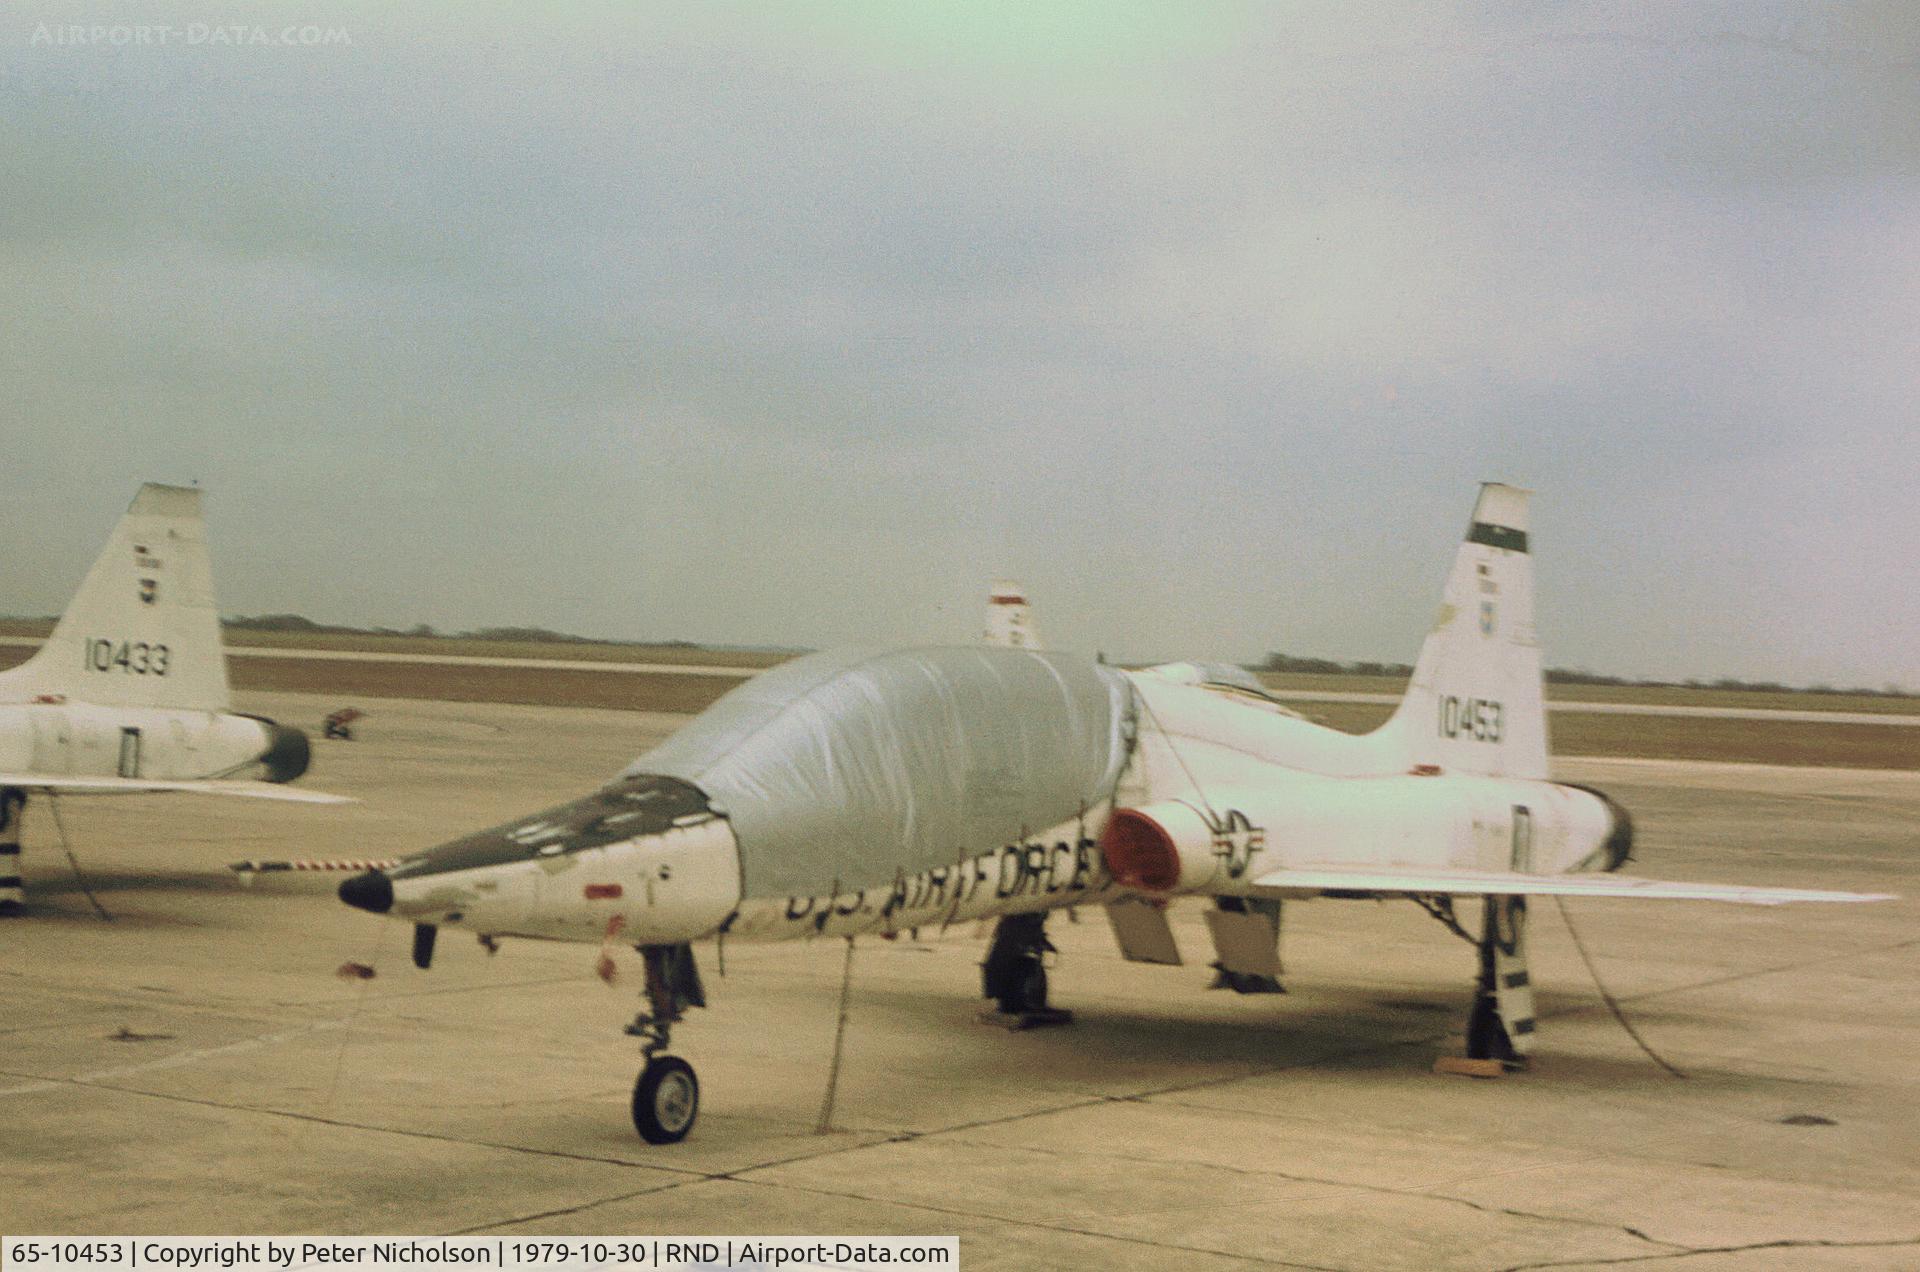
(300, 623)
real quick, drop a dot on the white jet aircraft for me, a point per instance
(129, 694)
(878, 791)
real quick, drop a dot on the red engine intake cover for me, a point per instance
(1139, 852)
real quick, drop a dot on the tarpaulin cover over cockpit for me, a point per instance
(855, 768)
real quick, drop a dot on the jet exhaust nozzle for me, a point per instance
(372, 892)
(287, 755)
(288, 752)
(1620, 839)
(1619, 843)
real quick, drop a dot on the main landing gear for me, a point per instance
(1014, 974)
(1246, 939)
(666, 1099)
(13, 897)
(1501, 1025)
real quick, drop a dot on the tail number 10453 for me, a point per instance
(1479, 719)
(135, 657)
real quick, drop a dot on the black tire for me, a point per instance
(666, 1100)
(1028, 991)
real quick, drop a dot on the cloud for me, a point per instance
(747, 324)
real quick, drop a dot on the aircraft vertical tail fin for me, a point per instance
(1009, 622)
(1475, 703)
(142, 631)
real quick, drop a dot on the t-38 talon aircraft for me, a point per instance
(129, 694)
(877, 791)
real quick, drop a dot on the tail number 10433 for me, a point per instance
(1477, 719)
(135, 657)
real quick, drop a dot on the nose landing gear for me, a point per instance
(666, 1098)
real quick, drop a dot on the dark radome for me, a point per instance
(371, 891)
(633, 806)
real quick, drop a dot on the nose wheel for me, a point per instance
(666, 1100)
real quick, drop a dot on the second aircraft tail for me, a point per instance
(142, 631)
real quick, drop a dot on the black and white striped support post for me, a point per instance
(13, 897)
(1513, 982)
(1502, 1023)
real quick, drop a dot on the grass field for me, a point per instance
(1810, 743)
(595, 651)
(576, 651)
(536, 686)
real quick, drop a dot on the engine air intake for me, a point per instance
(1139, 853)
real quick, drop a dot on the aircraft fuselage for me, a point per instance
(78, 739)
(571, 874)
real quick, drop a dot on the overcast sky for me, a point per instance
(800, 324)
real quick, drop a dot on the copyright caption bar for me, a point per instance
(505, 1254)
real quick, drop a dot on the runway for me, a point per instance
(195, 1065)
(1681, 710)
(248, 653)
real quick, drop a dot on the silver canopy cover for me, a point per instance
(854, 768)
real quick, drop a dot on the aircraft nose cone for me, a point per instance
(371, 891)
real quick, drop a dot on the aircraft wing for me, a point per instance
(1422, 881)
(140, 785)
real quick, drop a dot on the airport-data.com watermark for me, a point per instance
(187, 35)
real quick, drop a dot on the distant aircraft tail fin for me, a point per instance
(1009, 622)
(142, 631)
(1475, 703)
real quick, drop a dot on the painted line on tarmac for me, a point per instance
(178, 1060)
(1780, 714)
(1741, 768)
(1783, 714)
